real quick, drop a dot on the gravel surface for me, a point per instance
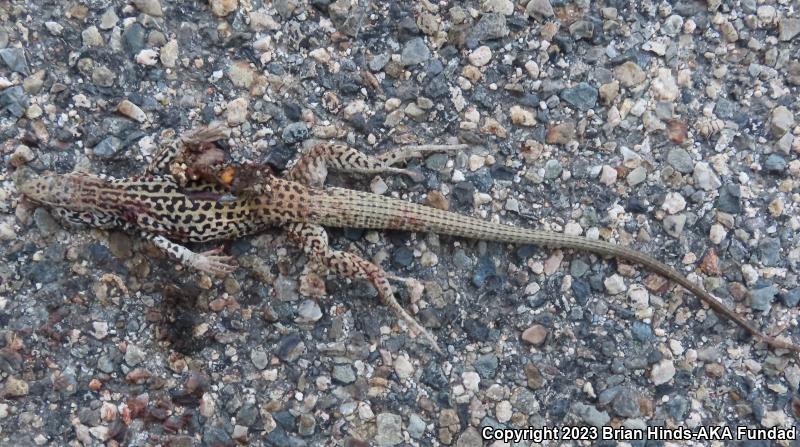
(671, 127)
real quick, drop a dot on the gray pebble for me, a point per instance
(259, 358)
(294, 132)
(45, 222)
(590, 415)
(730, 198)
(791, 298)
(309, 312)
(378, 61)
(552, 169)
(108, 148)
(582, 96)
(775, 164)
(13, 101)
(486, 366)
(415, 52)
(761, 299)
(416, 426)
(343, 374)
(578, 268)
(14, 59)
(679, 159)
(390, 430)
(491, 26)
(436, 162)
(626, 404)
(769, 251)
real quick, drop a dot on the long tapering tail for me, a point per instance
(346, 208)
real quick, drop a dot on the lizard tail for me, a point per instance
(344, 208)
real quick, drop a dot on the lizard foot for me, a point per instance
(417, 151)
(211, 262)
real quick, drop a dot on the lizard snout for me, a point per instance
(49, 189)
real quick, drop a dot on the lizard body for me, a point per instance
(164, 209)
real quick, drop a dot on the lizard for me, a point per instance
(169, 208)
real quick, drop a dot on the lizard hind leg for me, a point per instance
(314, 242)
(312, 167)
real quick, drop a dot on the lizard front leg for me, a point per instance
(190, 141)
(207, 261)
(312, 167)
(314, 241)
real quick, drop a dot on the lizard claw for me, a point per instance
(211, 262)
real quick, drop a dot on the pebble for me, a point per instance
(403, 367)
(54, 28)
(672, 25)
(539, 8)
(99, 329)
(681, 161)
(91, 37)
(415, 52)
(717, 233)
(151, 7)
(781, 121)
(131, 110)
(236, 113)
(775, 164)
(609, 92)
(582, 96)
(15, 387)
(552, 169)
(416, 426)
(108, 148)
(791, 299)
(705, 178)
(308, 312)
(614, 284)
(662, 372)
(674, 203)
(674, 224)
(608, 175)
(761, 299)
(259, 358)
(22, 155)
(522, 117)
(629, 74)
(664, 87)
(108, 19)
(343, 374)
(134, 355)
(147, 57)
(222, 8)
(480, 56)
(562, 133)
(591, 415)
(471, 381)
(535, 334)
(788, 28)
(169, 53)
(294, 132)
(389, 429)
(637, 176)
(730, 198)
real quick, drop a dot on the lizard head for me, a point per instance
(49, 189)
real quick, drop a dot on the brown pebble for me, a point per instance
(535, 379)
(715, 370)
(437, 200)
(561, 133)
(217, 304)
(710, 263)
(535, 334)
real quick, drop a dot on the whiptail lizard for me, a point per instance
(168, 210)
